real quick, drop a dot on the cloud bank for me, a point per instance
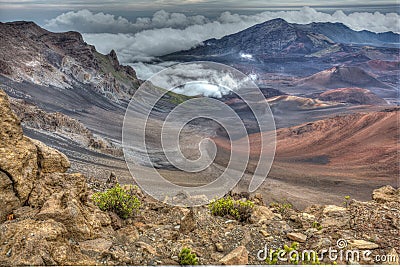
(166, 32)
(88, 22)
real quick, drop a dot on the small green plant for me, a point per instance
(281, 207)
(123, 202)
(310, 258)
(317, 225)
(228, 207)
(346, 201)
(274, 255)
(186, 257)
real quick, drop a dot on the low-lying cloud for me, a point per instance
(201, 78)
(88, 22)
(165, 32)
(203, 89)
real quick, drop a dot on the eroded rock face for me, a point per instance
(18, 158)
(386, 194)
(62, 60)
(46, 207)
(8, 198)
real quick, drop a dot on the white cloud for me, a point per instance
(89, 22)
(193, 79)
(145, 70)
(144, 45)
(170, 32)
(201, 88)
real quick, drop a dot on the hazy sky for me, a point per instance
(40, 10)
(140, 30)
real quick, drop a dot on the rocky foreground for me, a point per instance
(48, 218)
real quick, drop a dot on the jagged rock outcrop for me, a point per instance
(18, 161)
(48, 208)
(62, 60)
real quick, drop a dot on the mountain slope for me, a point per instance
(340, 33)
(345, 76)
(359, 145)
(361, 140)
(296, 103)
(278, 38)
(352, 95)
(330, 158)
(341, 76)
(274, 37)
(61, 60)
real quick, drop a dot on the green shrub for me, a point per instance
(186, 257)
(317, 225)
(228, 207)
(281, 207)
(118, 200)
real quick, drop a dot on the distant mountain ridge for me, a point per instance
(279, 38)
(340, 33)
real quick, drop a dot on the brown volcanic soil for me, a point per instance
(336, 77)
(382, 65)
(352, 142)
(353, 95)
(343, 77)
(325, 160)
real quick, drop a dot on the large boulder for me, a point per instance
(50, 159)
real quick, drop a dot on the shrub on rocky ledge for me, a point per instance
(282, 208)
(240, 210)
(117, 200)
(186, 257)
